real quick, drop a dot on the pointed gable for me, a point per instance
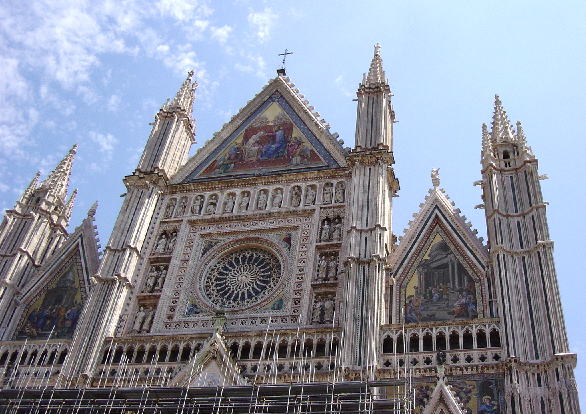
(51, 302)
(443, 401)
(439, 266)
(276, 132)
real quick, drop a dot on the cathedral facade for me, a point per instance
(262, 275)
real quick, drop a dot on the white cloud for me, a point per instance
(113, 103)
(106, 142)
(221, 34)
(262, 23)
(341, 85)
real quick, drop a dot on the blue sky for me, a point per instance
(96, 72)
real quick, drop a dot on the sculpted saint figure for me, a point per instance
(337, 231)
(161, 243)
(340, 190)
(151, 280)
(322, 268)
(332, 268)
(139, 320)
(182, 207)
(170, 208)
(327, 193)
(148, 320)
(261, 203)
(229, 203)
(316, 315)
(325, 230)
(211, 208)
(328, 310)
(244, 201)
(310, 196)
(277, 198)
(172, 241)
(296, 196)
(161, 274)
(197, 205)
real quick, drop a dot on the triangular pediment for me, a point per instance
(51, 302)
(442, 401)
(439, 266)
(211, 367)
(277, 132)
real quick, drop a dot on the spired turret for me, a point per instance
(541, 370)
(369, 235)
(32, 231)
(165, 152)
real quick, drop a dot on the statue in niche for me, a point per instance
(333, 268)
(229, 203)
(327, 194)
(197, 205)
(261, 203)
(139, 319)
(310, 196)
(244, 200)
(337, 230)
(317, 312)
(325, 230)
(182, 207)
(161, 243)
(296, 196)
(277, 198)
(340, 192)
(148, 320)
(151, 280)
(211, 207)
(170, 208)
(172, 241)
(328, 310)
(322, 267)
(161, 275)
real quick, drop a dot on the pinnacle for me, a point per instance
(58, 181)
(501, 127)
(185, 95)
(376, 73)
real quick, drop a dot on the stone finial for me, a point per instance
(376, 73)
(501, 127)
(92, 211)
(58, 180)
(185, 95)
(435, 178)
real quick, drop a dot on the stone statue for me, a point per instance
(435, 179)
(322, 268)
(139, 320)
(170, 208)
(340, 192)
(329, 307)
(327, 193)
(296, 196)
(229, 203)
(161, 274)
(151, 280)
(172, 241)
(197, 205)
(316, 314)
(325, 230)
(182, 207)
(148, 320)
(277, 198)
(337, 230)
(244, 201)
(261, 203)
(333, 268)
(309, 196)
(161, 243)
(211, 207)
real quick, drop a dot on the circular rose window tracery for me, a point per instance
(242, 278)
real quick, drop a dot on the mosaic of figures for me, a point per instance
(476, 396)
(56, 311)
(271, 142)
(440, 288)
(256, 200)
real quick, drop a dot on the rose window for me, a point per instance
(242, 278)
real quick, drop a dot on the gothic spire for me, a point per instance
(31, 188)
(185, 95)
(501, 127)
(486, 141)
(376, 73)
(58, 181)
(69, 205)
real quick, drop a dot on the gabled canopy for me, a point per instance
(439, 236)
(52, 300)
(442, 401)
(276, 132)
